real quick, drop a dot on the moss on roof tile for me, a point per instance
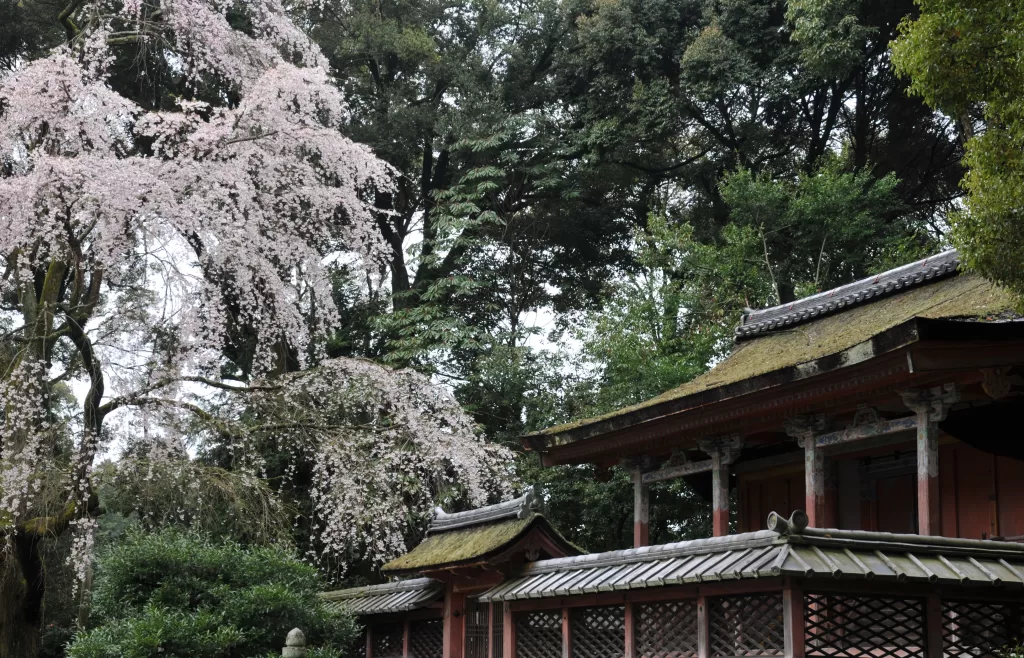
(458, 546)
(962, 296)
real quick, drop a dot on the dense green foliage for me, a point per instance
(964, 59)
(173, 594)
(591, 192)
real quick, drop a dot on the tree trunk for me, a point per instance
(22, 586)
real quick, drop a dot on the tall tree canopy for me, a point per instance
(964, 59)
(173, 184)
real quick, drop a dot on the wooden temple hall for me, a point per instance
(870, 439)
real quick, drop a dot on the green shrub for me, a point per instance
(174, 594)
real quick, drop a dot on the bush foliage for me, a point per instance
(176, 594)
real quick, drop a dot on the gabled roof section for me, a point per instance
(400, 596)
(480, 536)
(844, 297)
(843, 337)
(787, 551)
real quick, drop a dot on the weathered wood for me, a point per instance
(630, 624)
(805, 429)
(930, 407)
(703, 629)
(508, 632)
(723, 452)
(566, 634)
(641, 511)
(793, 619)
(454, 624)
(869, 431)
(682, 470)
(933, 627)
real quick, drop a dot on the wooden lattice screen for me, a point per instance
(975, 628)
(598, 632)
(387, 641)
(746, 625)
(667, 630)
(842, 626)
(426, 639)
(477, 629)
(498, 629)
(539, 634)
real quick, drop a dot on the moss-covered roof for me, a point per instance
(961, 296)
(472, 545)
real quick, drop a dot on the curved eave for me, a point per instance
(917, 333)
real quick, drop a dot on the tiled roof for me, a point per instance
(809, 553)
(519, 508)
(844, 297)
(399, 596)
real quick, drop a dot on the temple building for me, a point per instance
(870, 437)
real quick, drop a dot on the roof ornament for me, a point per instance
(794, 525)
(529, 503)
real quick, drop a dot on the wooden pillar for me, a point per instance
(793, 620)
(405, 639)
(703, 628)
(369, 642)
(454, 623)
(641, 511)
(805, 430)
(933, 627)
(490, 629)
(630, 631)
(508, 632)
(566, 634)
(723, 451)
(931, 407)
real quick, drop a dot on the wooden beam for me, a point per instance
(673, 472)
(641, 511)
(861, 432)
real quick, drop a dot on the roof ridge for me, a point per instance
(852, 294)
(408, 584)
(518, 508)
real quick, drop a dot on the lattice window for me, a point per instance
(746, 625)
(498, 630)
(539, 634)
(476, 629)
(974, 628)
(853, 626)
(667, 630)
(387, 641)
(426, 639)
(598, 632)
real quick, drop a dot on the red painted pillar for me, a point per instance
(369, 642)
(723, 451)
(630, 623)
(931, 407)
(816, 502)
(405, 639)
(566, 634)
(793, 620)
(703, 628)
(454, 623)
(933, 624)
(641, 511)
(508, 632)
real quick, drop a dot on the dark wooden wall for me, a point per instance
(982, 495)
